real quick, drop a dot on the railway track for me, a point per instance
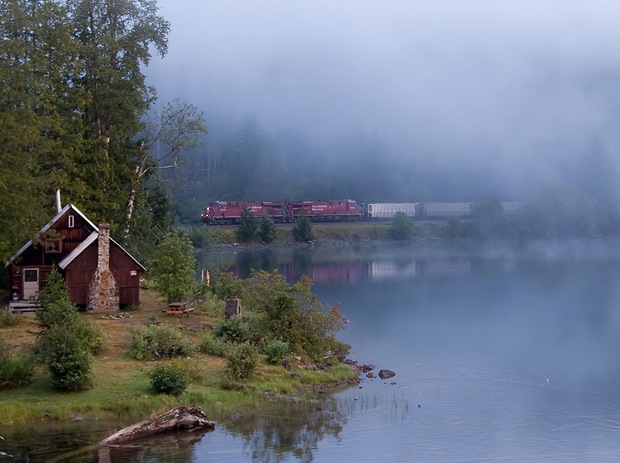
(366, 223)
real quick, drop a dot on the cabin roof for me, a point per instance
(76, 252)
(84, 245)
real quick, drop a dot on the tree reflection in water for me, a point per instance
(288, 427)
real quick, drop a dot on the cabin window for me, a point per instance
(53, 246)
(31, 275)
(71, 221)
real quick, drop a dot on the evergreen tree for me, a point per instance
(266, 229)
(303, 230)
(65, 341)
(72, 102)
(31, 111)
(248, 228)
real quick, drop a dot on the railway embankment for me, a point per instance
(323, 234)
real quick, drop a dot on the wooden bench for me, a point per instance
(178, 308)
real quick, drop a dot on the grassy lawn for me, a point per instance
(121, 386)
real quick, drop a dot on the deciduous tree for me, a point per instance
(173, 268)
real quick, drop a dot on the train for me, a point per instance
(222, 212)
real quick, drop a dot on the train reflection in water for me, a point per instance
(317, 265)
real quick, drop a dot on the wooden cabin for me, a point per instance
(98, 272)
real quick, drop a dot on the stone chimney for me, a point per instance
(103, 291)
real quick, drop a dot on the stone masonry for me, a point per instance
(103, 291)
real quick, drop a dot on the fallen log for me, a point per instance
(186, 417)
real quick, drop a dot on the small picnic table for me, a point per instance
(178, 308)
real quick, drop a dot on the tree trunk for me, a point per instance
(186, 417)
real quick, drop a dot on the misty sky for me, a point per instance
(529, 86)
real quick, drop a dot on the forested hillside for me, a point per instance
(73, 116)
(77, 114)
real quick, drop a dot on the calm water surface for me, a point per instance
(502, 353)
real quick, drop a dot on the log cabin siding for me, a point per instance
(79, 272)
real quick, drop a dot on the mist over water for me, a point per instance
(502, 352)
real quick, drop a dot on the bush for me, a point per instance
(226, 284)
(169, 379)
(71, 371)
(401, 227)
(211, 345)
(158, 341)
(15, 370)
(8, 319)
(232, 330)
(241, 361)
(92, 336)
(276, 350)
(291, 314)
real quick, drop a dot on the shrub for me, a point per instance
(92, 336)
(276, 350)
(226, 284)
(211, 345)
(158, 341)
(71, 371)
(7, 318)
(291, 314)
(169, 379)
(401, 227)
(15, 370)
(241, 361)
(232, 330)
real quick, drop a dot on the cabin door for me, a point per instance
(30, 282)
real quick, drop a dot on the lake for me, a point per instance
(503, 352)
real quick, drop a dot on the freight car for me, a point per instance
(447, 210)
(388, 210)
(222, 212)
(326, 211)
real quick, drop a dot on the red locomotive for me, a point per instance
(316, 211)
(222, 212)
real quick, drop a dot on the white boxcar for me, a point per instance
(388, 210)
(447, 210)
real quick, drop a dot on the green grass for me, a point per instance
(122, 387)
(129, 395)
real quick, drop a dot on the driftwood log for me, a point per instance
(187, 417)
